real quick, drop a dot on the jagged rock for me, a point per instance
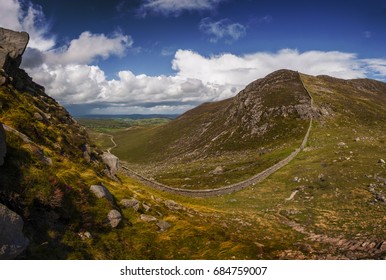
(12, 47)
(101, 192)
(131, 203)
(12, 240)
(148, 218)
(3, 145)
(114, 218)
(381, 161)
(112, 162)
(163, 225)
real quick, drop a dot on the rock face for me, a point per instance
(114, 218)
(101, 192)
(3, 145)
(112, 162)
(12, 239)
(12, 47)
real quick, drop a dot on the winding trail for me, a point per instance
(230, 188)
(112, 141)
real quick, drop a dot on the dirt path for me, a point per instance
(230, 188)
(112, 141)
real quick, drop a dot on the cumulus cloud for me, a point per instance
(222, 29)
(175, 7)
(30, 18)
(88, 47)
(239, 70)
(198, 79)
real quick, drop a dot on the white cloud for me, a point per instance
(222, 29)
(198, 79)
(29, 18)
(241, 70)
(175, 7)
(89, 47)
(376, 66)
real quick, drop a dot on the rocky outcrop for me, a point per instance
(101, 192)
(3, 145)
(12, 240)
(112, 162)
(12, 47)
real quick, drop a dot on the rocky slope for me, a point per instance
(42, 151)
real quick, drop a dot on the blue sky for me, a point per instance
(167, 56)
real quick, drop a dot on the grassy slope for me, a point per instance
(184, 152)
(333, 195)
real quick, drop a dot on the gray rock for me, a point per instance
(146, 207)
(38, 117)
(172, 205)
(12, 240)
(148, 218)
(85, 235)
(131, 203)
(114, 218)
(218, 170)
(3, 145)
(112, 162)
(12, 47)
(101, 192)
(163, 225)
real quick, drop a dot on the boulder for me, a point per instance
(101, 192)
(131, 203)
(163, 225)
(112, 162)
(3, 145)
(114, 218)
(12, 47)
(12, 240)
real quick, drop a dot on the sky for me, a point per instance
(168, 56)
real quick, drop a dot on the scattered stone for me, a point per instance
(146, 207)
(148, 218)
(114, 218)
(85, 235)
(38, 117)
(112, 162)
(233, 200)
(172, 205)
(3, 144)
(163, 225)
(131, 203)
(342, 145)
(12, 240)
(218, 170)
(357, 139)
(101, 192)
(381, 161)
(297, 179)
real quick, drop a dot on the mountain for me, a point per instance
(235, 138)
(62, 197)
